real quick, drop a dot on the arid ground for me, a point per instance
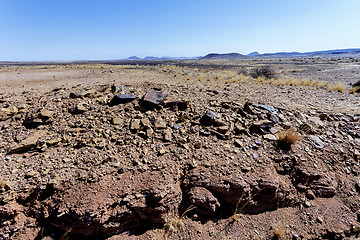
(180, 150)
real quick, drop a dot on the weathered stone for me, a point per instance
(53, 141)
(146, 123)
(159, 123)
(208, 119)
(262, 126)
(81, 108)
(121, 98)
(46, 113)
(6, 113)
(168, 135)
(32, 122)
(223, 129)
(75, 95)
(154, 97)
(316, 142)
(270, 137)
(204, 200)
(198, 144)
(135, 124)
(116, 121)
(316, 121)
(78, 109)
(271, 109)
(27, 143)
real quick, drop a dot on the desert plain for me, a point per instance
(182, 149)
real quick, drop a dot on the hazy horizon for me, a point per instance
(90, 30)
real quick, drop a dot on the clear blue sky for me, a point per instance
(109, 29)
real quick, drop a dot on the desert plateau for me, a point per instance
(254, 148)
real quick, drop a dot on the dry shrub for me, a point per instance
(306, 82)
(263, 71)
(321, 84)
(288, 138)
(281, 82)
(354, 90)
(279, 232)
(337, 87)
(175, 222)
(294, 82)
(355, 87)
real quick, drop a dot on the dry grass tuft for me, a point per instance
(279, 232)
(288, 138)
(175, 222)
(339, 87)
(354, 90)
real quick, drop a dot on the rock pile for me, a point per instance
(101, 163)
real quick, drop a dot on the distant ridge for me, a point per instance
(133, 58)
(326, 53)
(253, 54)
(216, 56)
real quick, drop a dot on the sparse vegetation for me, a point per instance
(355, 87)
(279, 232)
(288, 138)
(175, 222)
(263, 71)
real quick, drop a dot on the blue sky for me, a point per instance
(109, 29)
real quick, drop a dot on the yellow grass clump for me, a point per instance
(288, 138)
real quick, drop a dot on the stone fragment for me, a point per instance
(32, 122)
(75, 95)
(121, 98)
(53, 141)
(238, 143)
(154, 97)
(81, 108)
(78, 109)
(223, 129)
(159, 123)
(271, 109)
(262, 126)
(208, 119)
(162, 151)
(46, 113)
(316, 121)
(6, 113)
(167, 135)
(135, 124)
(198, 144)
(204, 200)
(116, 121)
(146, 123)
(27, 143)
(270, 137)
(316, 142)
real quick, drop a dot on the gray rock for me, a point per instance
(316, 142)
(154, 97)
(121, 98)
(208, 119)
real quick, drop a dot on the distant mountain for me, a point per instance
(133, 58)
(253, 54)
(327, 53)
(151, 58)
(217, 56)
